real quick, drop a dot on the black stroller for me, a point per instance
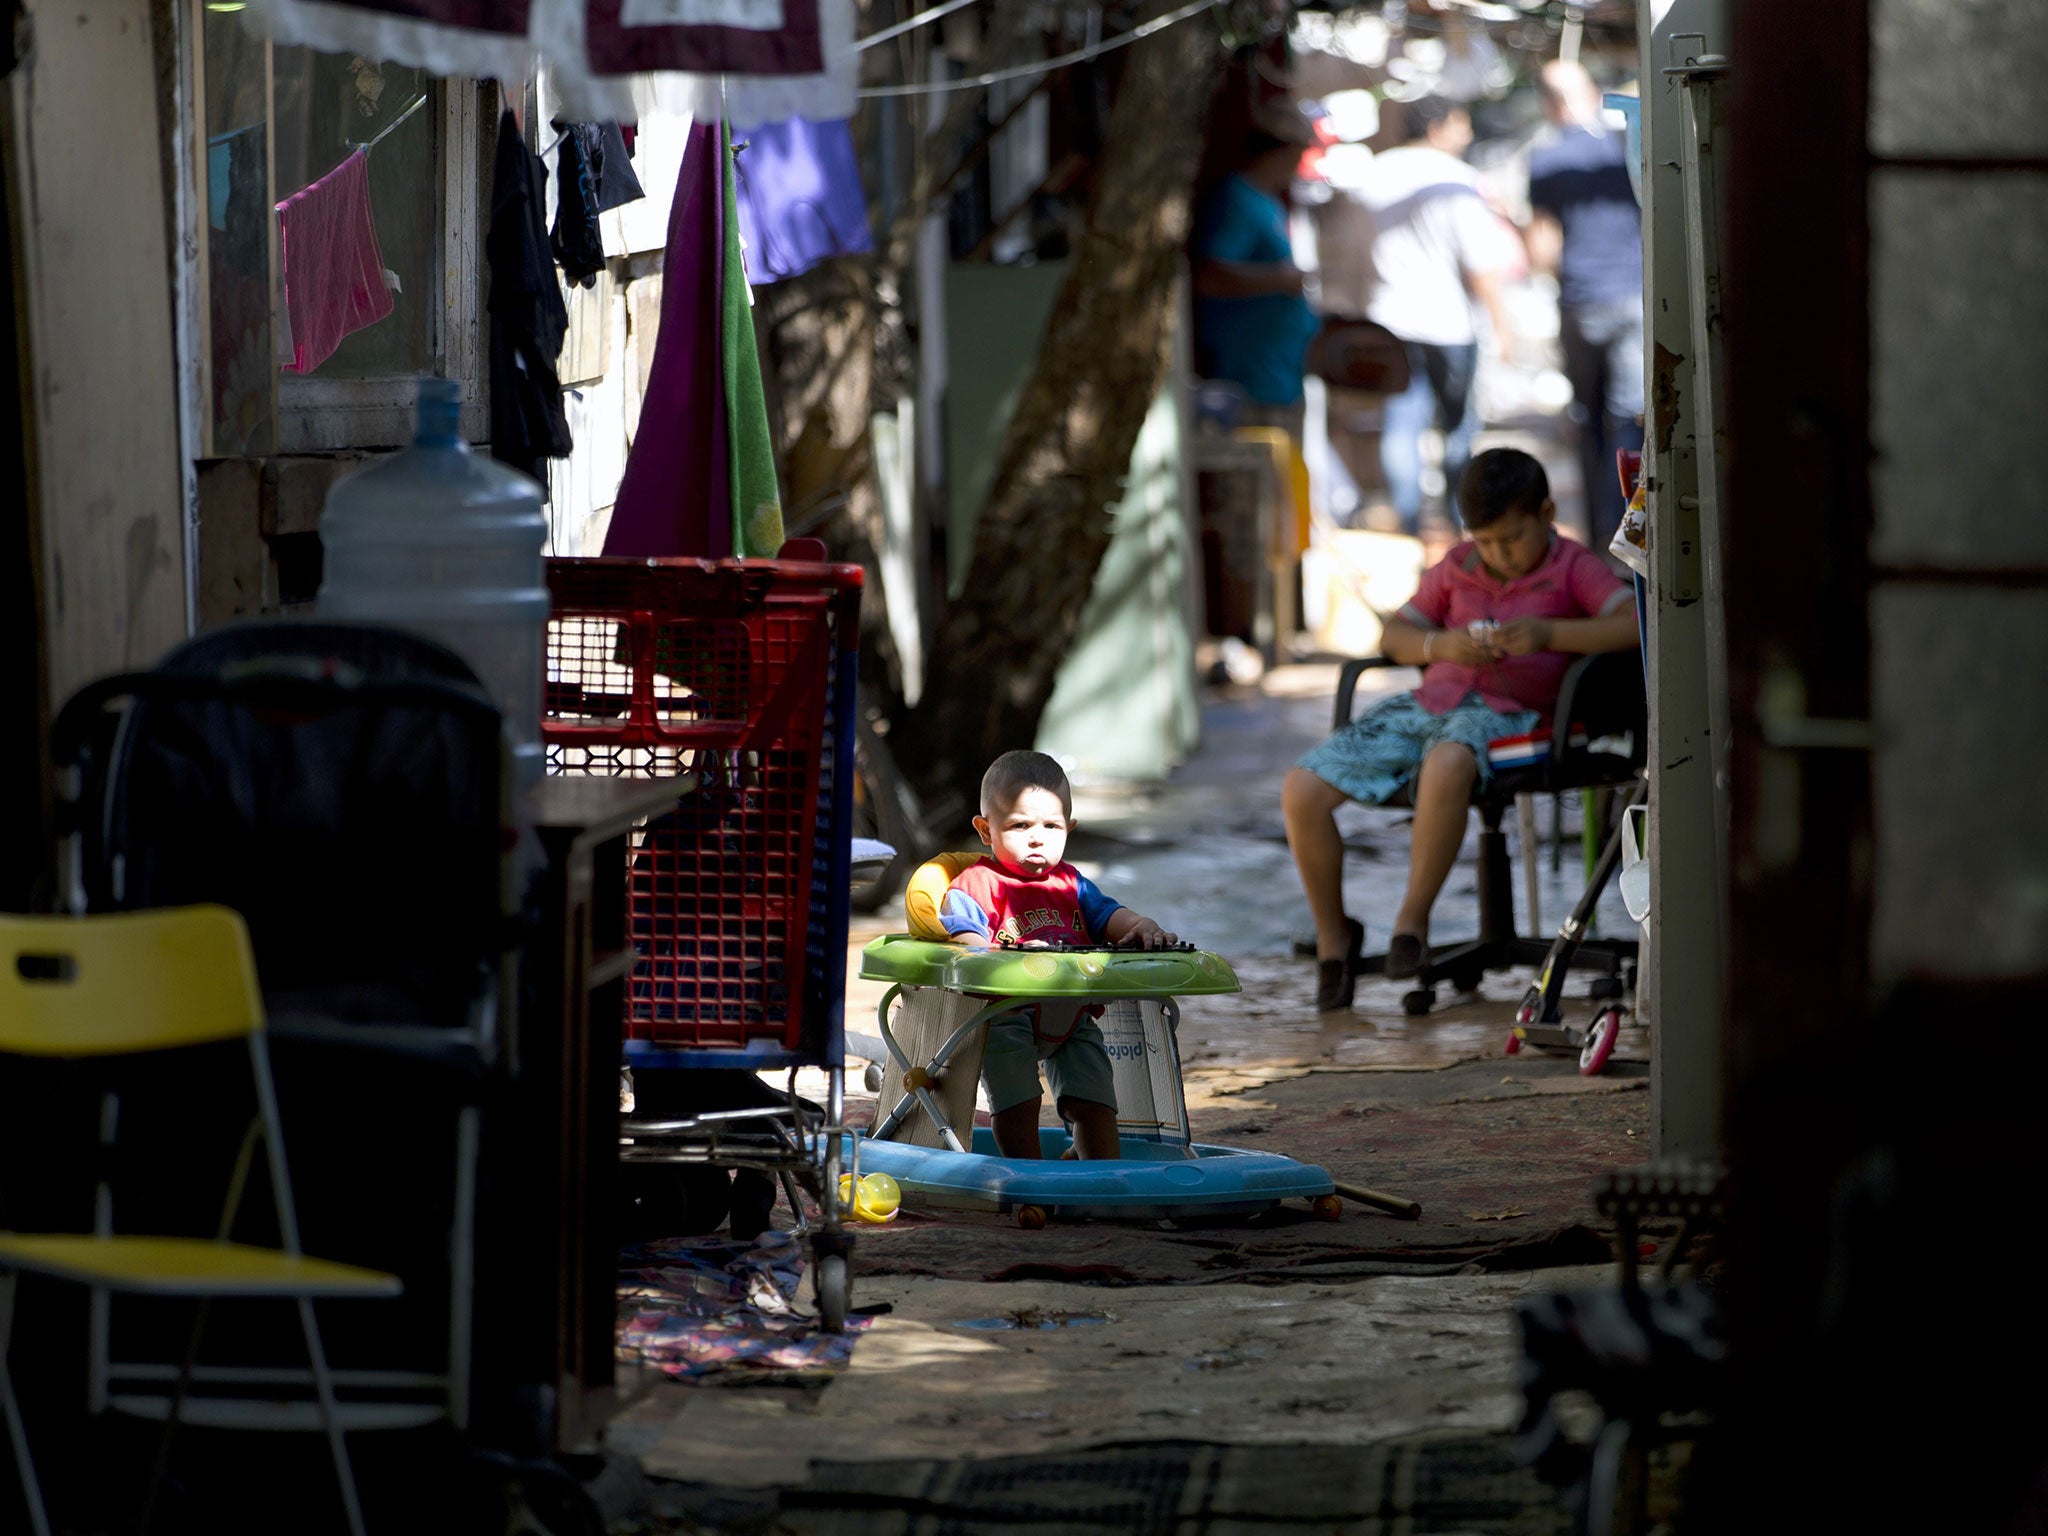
(347, 789)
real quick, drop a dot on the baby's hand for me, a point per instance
(1521, 637)
(1148, 935)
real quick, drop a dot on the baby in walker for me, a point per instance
(1023, 892)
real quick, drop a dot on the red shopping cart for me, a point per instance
(739, 674)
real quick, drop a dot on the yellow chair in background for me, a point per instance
(1287, 528)
(127, 984)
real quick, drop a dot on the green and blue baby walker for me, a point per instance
(941, 999)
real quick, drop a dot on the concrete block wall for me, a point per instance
(1959, 484)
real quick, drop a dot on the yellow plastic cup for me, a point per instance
(876, 1201)
(881, 1194)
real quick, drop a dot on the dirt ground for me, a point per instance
(966, 1369)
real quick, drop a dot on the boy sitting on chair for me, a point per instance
(1493, 626)
(1024, 892)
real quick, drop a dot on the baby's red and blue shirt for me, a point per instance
(1062, 906)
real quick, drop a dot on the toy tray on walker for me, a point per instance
(948, 994)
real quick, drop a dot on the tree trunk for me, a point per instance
(1046, 523)
(818, 332)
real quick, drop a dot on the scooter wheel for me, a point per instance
(1514, 1044)
(1327, 1208)
(1600, 1043)
(1031, 1217)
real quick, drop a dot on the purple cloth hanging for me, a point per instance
(800, 197)
(675, 497)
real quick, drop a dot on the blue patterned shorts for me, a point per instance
(1377, 755)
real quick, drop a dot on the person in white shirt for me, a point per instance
(1436, 247)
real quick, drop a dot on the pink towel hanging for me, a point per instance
(333, 270)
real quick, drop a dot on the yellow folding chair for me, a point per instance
(126, 984)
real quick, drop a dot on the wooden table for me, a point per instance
(560, 1188)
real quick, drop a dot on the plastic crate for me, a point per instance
(741, 673)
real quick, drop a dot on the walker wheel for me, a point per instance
(1415, 1004)
(1514, 1043)
(871, 1077)
(834, 1289)
(1031, 1217)
(1327, 1208)
(1606, 1029)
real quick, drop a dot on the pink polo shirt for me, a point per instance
(1571, 583)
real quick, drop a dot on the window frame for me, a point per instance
(315, 415)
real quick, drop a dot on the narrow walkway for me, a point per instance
(1357, 1376)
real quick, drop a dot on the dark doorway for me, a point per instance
(24, 707)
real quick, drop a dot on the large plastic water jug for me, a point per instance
(447, 543)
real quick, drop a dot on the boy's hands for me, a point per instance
(1456, 645)
(1520, 637)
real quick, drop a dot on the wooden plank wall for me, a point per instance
(101, 358)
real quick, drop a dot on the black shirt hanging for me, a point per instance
(592, 174)
(528, 319)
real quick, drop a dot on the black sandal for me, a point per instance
(1336, 980)
(1406, 955)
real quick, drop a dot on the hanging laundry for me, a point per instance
(528, 319)
(800, 197)
(733, 37)
(674, 497)
(593, 175)
(333, 270)
(577, 241)
(756, 493)
(827, 96)
(700, 479)
(772, 58)
(616, 183)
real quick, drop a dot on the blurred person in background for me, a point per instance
(1252, 323)
(1435, 247)
(1586, 228)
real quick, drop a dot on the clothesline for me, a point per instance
(921, 19)
(369, 144)
(1043, 66)
(383, 133)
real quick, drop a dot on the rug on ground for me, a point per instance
(692, 1307)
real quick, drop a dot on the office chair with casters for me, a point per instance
(128, 985)
(1600, 739)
